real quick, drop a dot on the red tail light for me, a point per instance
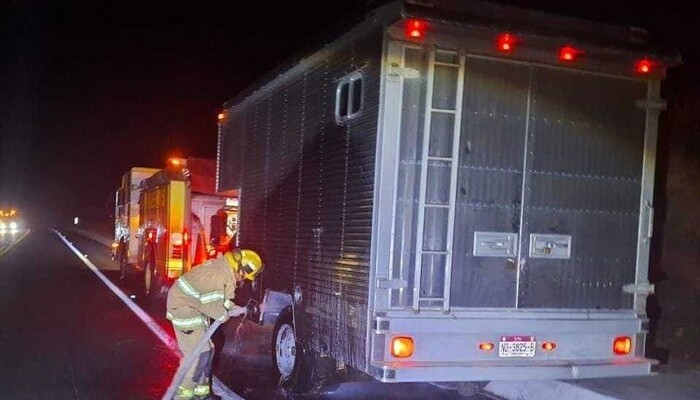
(402, 347)
(622, 345)
(176, 239)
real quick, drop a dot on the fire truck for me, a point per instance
(126, 217)
(176, 206)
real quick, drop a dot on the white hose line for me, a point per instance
(188, 361)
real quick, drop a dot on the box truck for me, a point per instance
(453, 191)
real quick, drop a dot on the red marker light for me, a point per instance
(622, 345)
(568, 53)
(505, 43)
(644, 66)
(415, 28)
(221, 116)
(486, 346)
(549, 346)
(401, 347)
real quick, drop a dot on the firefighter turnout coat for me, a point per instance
(201, 293)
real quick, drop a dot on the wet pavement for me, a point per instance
(92, 346)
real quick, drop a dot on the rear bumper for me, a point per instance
(511, 370)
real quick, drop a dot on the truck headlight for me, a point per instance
(2, 225)
(13, 225)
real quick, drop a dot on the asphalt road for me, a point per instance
(65, 335)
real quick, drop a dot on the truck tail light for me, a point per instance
(622, 345)
(486, 346)
(549, 346)
(401, 347)
(176, 238)
(186, 237)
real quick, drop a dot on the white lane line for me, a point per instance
(160, 333)
(143, 316)
(8, 248)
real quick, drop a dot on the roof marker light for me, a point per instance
(568, 53)
(415, 28)
(505, 42)
(644, 66)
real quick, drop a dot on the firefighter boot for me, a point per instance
(203, 392)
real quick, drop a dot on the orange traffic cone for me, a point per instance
(200, 252)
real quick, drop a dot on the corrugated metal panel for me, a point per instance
(489, 180)
(306, 194)
(585, 151)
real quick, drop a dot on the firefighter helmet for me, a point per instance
(248, 260)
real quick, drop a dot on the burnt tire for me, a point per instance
(291, 365)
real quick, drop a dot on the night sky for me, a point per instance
(89, 90)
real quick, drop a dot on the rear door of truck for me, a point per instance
(518, 184)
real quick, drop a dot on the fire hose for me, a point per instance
(189, 360)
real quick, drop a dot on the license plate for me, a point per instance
(517, 346)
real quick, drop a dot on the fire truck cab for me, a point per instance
(176, 206)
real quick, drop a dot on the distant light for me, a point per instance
(132, 296)
(76, 220)
(221, 116)
(644, 66)
(506, 43)
(568, 53)
(415, 28)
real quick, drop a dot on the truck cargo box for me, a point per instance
(454, 191)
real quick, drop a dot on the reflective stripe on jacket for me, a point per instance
(205, 289)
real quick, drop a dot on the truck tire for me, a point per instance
(123, 262)
(152, 282)
(290, 363)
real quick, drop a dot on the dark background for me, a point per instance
(90, 89)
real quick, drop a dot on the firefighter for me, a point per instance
(218, 238)
(200, 294)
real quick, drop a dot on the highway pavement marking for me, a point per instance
(6, 249)
(160, 333)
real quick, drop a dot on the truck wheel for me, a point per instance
(288, 359)
(148, 269)
(123, 265)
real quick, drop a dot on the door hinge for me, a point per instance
(394, 69)
(645, 289)
(383, 283)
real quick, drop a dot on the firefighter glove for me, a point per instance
(224, 317)
(237, 311)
